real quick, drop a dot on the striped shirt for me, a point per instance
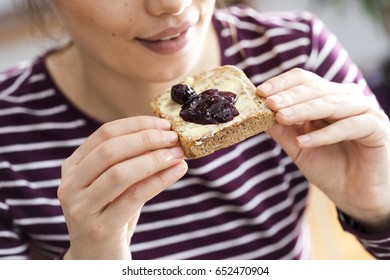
(243, 202)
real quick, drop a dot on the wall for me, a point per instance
(363, 36)
(365, 39)
(16, 40)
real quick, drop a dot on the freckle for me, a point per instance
(113, 34)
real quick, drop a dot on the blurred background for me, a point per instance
(360, 25)
(357, 26)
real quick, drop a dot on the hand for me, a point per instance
(109, 178)
(339, 139)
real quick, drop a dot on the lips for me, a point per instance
(169, 40)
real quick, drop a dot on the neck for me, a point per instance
(105, 95)
(101, 94)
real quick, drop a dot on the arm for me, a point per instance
(332, 127)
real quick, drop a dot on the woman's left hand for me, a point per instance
(339, 138)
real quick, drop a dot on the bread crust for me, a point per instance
(217, 136)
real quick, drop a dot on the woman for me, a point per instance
(77, 121)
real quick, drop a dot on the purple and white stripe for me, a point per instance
(244, 202)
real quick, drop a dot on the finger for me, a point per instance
(125, 207)
(285, 136)
(308, 91)
(117, 128)
(329, 108)
(368, 133)
(119, 149)
(285, 81)
(121, 176)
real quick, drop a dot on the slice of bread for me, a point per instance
(200, 140)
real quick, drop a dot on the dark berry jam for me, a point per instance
(210, 107)
(182, 93)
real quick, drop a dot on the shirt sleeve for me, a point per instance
(376, 244)
(12, 244)
(330, 60)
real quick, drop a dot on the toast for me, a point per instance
(198, 140)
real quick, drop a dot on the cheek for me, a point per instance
(95, 18)
(207, 7)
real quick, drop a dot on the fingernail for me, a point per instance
(265, 87)
(180, 168)
(286, 112)
(170, 137)
(177, 152)
(304, 139)
(277, 100)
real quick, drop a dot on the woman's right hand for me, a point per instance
(108, 179)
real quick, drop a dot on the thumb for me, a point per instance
(132, 225)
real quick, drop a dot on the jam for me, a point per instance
(209, 107)
(182, 93)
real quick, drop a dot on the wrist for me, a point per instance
(375, 222)
(94, 251)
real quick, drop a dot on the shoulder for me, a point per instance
(265, 44)
(20, 79)
(27, 94)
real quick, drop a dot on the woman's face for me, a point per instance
(154, 40)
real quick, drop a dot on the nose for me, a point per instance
(172, 7)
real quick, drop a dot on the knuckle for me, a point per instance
(140, 123)
(66, 165)
(106, 131)
(354, 89)
(295, 93)
(298, 71)
(62, 193)
(314, 85)
(158, 157)
(345, 126)
(117, 174)
(135, 195)
(279, 81)
(65, 192)
(75, 214)
(291, 94)
(333, 100)
(105, 151)
(308, 76)
(147, 138)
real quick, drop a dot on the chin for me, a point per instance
(173, 70)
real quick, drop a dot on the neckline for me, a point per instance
(74, 110)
